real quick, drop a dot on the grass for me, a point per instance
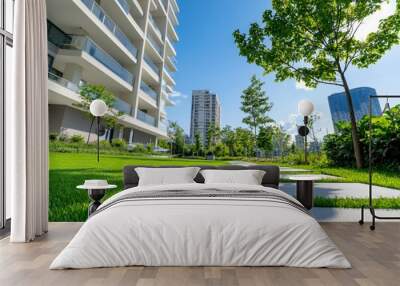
(383, 178)
(67, 170)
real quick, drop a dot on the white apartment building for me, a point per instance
(206, 110)
(125, 45)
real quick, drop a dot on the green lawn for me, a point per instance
(383, 178)
(67, 170)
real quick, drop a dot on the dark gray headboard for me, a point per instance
(271, 177)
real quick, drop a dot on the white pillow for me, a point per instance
(166, 176)
(248, 177)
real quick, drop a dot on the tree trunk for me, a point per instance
(354, 132)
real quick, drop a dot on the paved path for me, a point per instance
(241, 163)
(290, 170)
(321, 176)
(343, 190)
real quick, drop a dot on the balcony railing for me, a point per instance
(165, 4)
(157, 46)
(152, 65)
(63, 82)
(153, 22)
(110, 24)
(148, 90)
(144, 117)
(122, 106)
(168, 74)
(173, 60)
(124, 6)
(87, 45)
(163, 126)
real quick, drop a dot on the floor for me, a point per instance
(375, 257)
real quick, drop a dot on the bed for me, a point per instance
(201, 224)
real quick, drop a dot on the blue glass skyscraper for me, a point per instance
(340, 110)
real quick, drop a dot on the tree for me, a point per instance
(198, 146)
(315, 42)
(264, 139)
(177, 137)
(245, 140)
(213, 134)
(228, 137)
(90, 92)
(255, 104)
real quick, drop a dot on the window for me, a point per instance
(6, 64)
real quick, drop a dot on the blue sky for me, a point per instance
(208, 59)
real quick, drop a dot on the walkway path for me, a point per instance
(343, 190)
(241, 163)
(350, 215)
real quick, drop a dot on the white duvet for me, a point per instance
(200, 231)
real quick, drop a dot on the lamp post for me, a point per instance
(305, 108)
(98, 108)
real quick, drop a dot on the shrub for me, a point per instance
(63, 137)
(77, 138)
(149, 148)
(385, 141)
(105, 144)
(118, 143)
(53, 136)
(138, 148)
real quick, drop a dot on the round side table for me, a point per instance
(95, 193)
(305, 189)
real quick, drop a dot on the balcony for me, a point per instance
(62, 91)
(87, 45)
(63, 82)
(110, 24)
(171, 31)
(163, 126)
(97, 66)
(87, 17)
(168, 77)
(148, 90)
(171, 50)
(173, 17)
(171, 63)
(144, 117)
(121, 13)
(164, 4)
(122, 106)
(155, 26)
(157, 47)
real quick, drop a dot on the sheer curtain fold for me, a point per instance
(27, 124)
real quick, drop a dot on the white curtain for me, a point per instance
(27, 124)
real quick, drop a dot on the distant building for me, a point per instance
(299, 142)
(314, 146)
(206, 111)
(339, 108)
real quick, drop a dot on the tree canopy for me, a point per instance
(315, 42)
(256, 105)
(312, 40)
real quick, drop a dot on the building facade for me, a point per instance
(125, 45)
(206, 111)
(360, 96)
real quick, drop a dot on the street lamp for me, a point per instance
(305, 108)
(98, 108)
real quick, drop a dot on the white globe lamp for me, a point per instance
(305, 107)
(98, 108)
